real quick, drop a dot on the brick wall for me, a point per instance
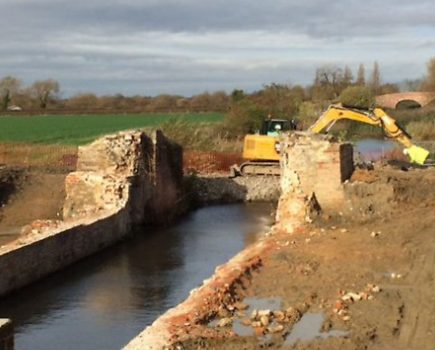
(314, 168)
(127, 169)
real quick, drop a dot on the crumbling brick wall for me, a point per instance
(128, 169)
(314, 168)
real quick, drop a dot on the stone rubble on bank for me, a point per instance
(221, 190)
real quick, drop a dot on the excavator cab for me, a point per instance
(272, 127)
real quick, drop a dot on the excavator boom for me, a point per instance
(377, 117)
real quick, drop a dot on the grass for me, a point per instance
(82, 129)
(200, 136)
(40, 156)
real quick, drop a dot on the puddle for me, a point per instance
(308, 328)
(255, 304)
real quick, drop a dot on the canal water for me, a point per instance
(374, 149)
(104, 301)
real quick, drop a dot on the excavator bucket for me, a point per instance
(417, 154)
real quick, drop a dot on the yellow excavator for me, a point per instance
(261, 151)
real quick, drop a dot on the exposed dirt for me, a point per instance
(382, 251)
(380, 248)
(27, 196)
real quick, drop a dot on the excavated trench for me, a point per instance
(104, 301)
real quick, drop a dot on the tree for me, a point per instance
(82, 101)
(361, 75)
(413, 84)
(44, 90)
(347, 76)
(280, 100)
(163, 103)
(328, 82)
(219, 101)
(245, 116)
(357, 97)
(247, 112)
(201, 102)
(9, 86)
(375, 81)
(429, 81)
(388, 88)
(237, 95)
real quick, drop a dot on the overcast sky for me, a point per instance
(186, 47)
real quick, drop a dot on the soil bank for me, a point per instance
(369, 271)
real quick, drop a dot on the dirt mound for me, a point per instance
(210, 162)
(384, 190)
(27, 196)
(9, 181)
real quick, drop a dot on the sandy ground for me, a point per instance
(27, 196)
(368, 271)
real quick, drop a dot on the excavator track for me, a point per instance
(260, 169)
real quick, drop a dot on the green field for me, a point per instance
(81, 129)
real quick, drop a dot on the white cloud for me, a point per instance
(185, 47)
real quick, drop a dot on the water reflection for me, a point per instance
(374, 149)
(105, 300)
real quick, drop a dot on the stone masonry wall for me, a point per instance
(314, 168)
(107, 169)
(127, 169)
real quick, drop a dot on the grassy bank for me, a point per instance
(81, 129)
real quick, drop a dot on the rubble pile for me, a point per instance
(272, 321)
(341, 306)
(218, 190)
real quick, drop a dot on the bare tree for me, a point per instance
(82, 101)
(330, 78)
(375, 81)
(347, 76)
(413, 84)
(429, 81)
(9, 86)
(361, 76)
(44, 90)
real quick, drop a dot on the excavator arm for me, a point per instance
(376, 117)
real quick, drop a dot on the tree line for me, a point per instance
(279, 99)
(331, 84)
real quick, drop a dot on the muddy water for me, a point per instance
(104, 301)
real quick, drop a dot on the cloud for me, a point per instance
(137, 46)
(312, 17)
